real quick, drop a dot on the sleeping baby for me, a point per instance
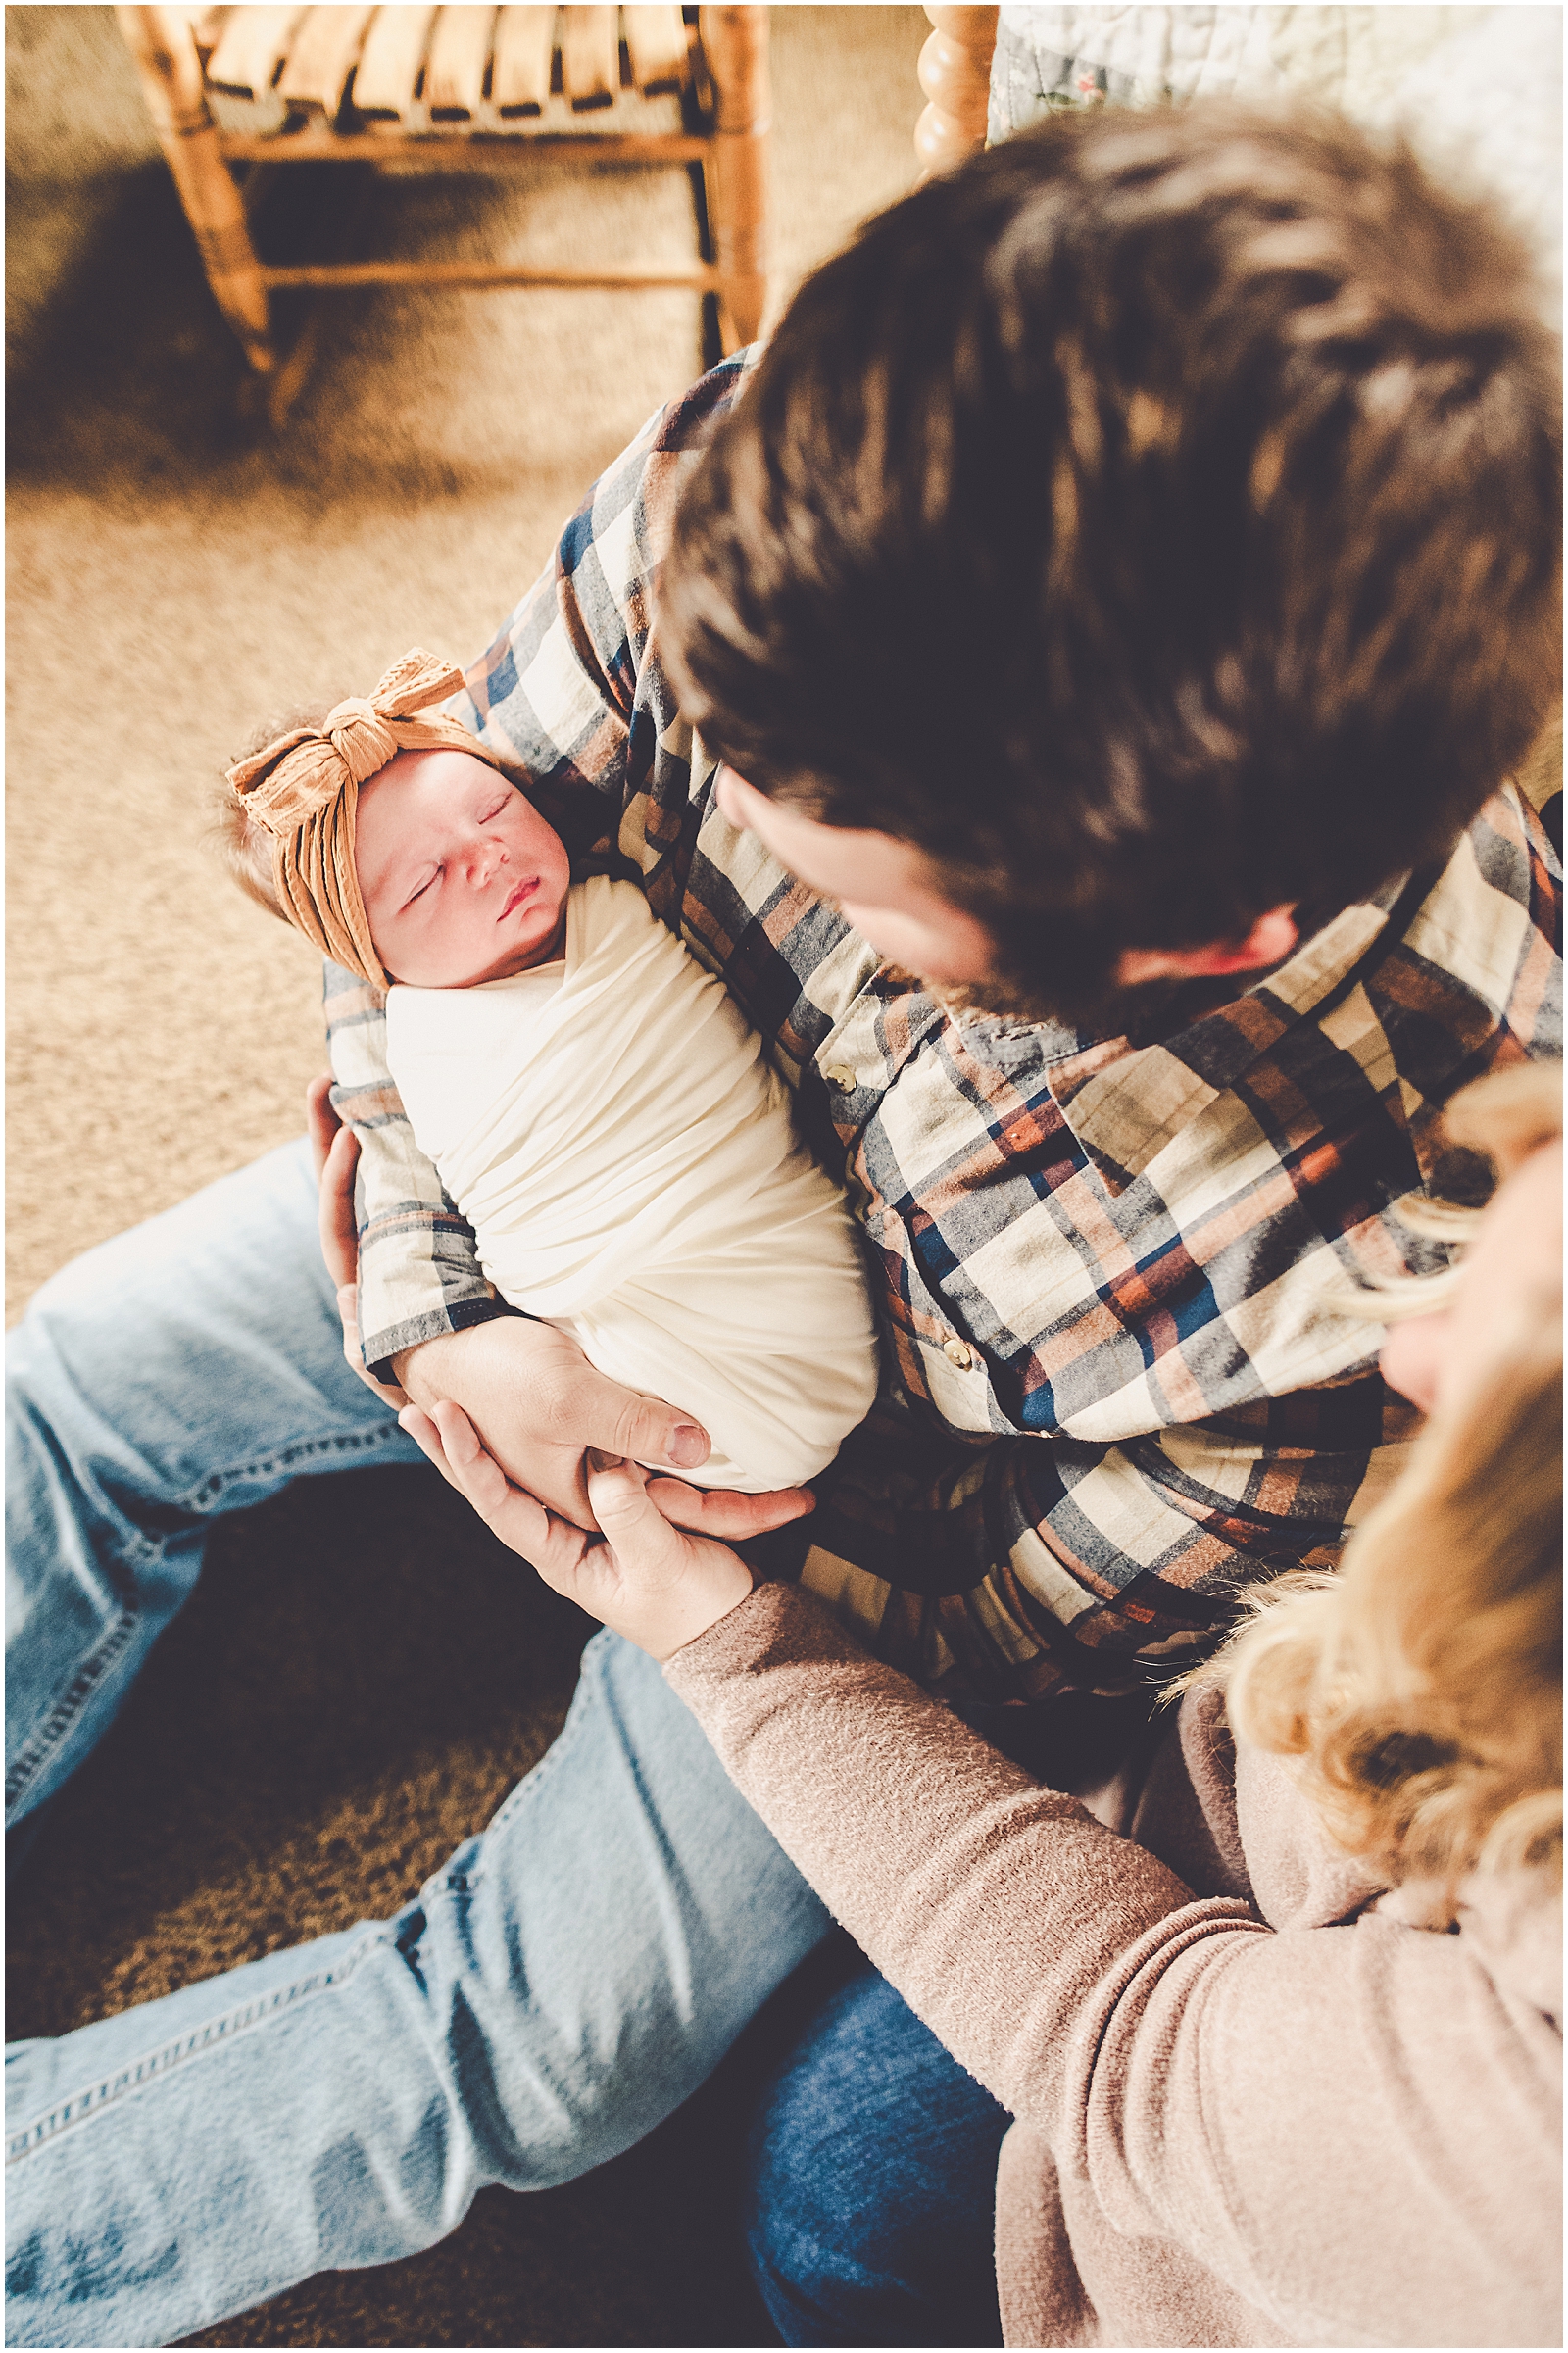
(592, 1098)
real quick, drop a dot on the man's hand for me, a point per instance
(653, 1583)
(528, 1391)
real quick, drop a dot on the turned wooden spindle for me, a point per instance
(954, 72)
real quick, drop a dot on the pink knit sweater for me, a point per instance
(1256, 2105)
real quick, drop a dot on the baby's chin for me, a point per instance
(457, 972)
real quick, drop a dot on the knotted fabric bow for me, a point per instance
(305, 790)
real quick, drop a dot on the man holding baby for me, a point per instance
(1070, 707)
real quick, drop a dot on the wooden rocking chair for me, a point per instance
(235, 91)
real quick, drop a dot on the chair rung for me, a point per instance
(311, 144)
(486, 273)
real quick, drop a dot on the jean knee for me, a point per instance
(587, 1961)
(870, 2184)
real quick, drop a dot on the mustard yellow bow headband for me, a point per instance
(305, 790)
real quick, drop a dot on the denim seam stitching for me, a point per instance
(46, 1738)
(348, 1441)
(82, 2106)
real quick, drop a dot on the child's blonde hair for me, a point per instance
(1421, 1685)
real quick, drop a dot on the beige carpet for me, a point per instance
(364, 1674)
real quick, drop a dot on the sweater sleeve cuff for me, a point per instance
(776, 1623)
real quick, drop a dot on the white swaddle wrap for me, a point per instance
(628, 1158)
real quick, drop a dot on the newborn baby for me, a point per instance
(593, 1101)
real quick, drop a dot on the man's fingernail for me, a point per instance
(688, 1445)
(599, 1460)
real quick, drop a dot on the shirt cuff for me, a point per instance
(380, 1350)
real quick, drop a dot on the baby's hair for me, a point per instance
(245, 846)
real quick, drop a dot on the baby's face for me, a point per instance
(462, 879)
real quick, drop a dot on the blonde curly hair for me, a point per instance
(1421, 1685)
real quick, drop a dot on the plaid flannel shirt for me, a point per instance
(1116, 1385)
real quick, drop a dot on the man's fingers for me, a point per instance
(427, 1437)
(347, 1311)
(598, 1412)
(730, 1517)
(459, 1441)
(340, 1241)
(321, 1119)
(519, 1519)
(565, 1558)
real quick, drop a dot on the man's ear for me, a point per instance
(1269, 942)
(735, 798)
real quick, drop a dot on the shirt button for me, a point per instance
(958, 1352)
(837, 1075)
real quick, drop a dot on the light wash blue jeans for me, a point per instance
(571, 1977)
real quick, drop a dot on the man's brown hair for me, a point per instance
(1155, 520)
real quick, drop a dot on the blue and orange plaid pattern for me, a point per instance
(1116, 1386)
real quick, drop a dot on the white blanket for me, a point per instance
(628, 1158)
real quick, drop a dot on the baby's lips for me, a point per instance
(519, 891)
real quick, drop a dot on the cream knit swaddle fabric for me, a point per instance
(628, 1158)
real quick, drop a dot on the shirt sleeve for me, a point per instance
(1392, 2153)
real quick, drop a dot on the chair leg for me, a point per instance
(161, 41)
(736, 172)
